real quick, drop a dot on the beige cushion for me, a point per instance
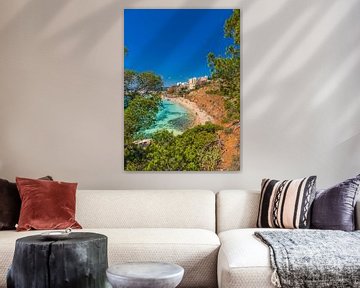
(236, 209)
(146, 209)
(244, 261)
(194, 249)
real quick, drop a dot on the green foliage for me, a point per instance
(141, 83)
(183, 91)
(135, 157)
(226, 70)
(140, 114)
(235, 163)
(196, 149)
(130, 82)
(142, 102)
(228, 130)
(149, 82)
(212, 91)
(232, 106)
(232, 26)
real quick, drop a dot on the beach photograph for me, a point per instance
(182, 89)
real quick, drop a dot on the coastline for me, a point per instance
(200, 116)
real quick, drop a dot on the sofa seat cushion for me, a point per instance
(244, 261)
(194, 249)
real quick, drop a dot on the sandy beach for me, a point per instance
(201, 117)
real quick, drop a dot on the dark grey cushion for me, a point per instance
(334, 208)
(9, 205)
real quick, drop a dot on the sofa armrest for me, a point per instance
(357, 215)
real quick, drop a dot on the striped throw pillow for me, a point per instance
(286, 204)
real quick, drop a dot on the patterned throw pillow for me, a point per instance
(286, 204)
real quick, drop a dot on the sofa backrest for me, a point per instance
(239, 209)
(236, 209)
(146, 209)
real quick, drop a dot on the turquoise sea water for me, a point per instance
(172, 117)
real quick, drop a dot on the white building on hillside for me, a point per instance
(192, 83)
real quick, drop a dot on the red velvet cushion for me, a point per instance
(10, 204)
(46, 204)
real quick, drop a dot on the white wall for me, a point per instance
(61, 92)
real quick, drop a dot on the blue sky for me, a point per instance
(174, 43)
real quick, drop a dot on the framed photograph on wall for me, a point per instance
(182, 89)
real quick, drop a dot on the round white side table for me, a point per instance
(145, 275)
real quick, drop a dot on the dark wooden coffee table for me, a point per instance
(78, 261)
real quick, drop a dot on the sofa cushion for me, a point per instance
(244, 261)
(194, 249)
(334, 208)
(146, 209)
(46, 204)
(286, 204)
(10, 204)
